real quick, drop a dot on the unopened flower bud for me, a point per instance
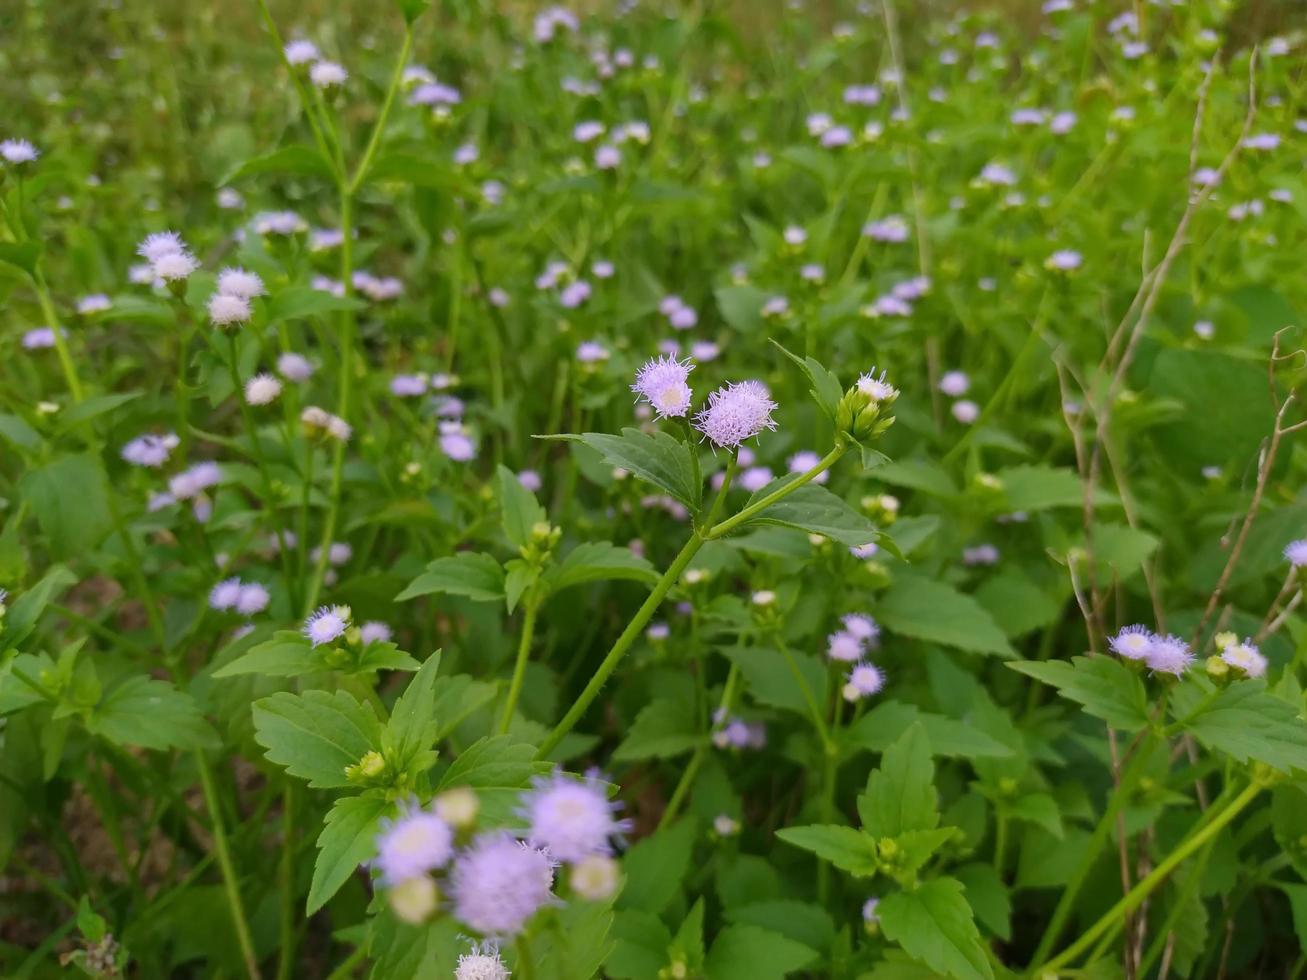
(458, 807)
(595, 877)
(413, 899)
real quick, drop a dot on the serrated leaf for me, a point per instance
(771, 681)
(25, 610)
(900, 795)
(21, 255)
(413, 724)
(826, 389)
(457, 698)
(597, 561)
(744, 952)
(287, 654)
(294, 160)
(1104, 686)
(468, 573)
(662, 729)
(816, 510)
(656, 458)
(655, 866)
(152, 714)
(934, 924)
(879, 727)
(16, 694)
(804, 922)
(519, 576)
(94, 407)
(521, 510)
(69, 498)
(925, 609)
(15, 430)
(847, 848)
(1243, 721)
(297, 302)
(316, 735)
(498, 767)
(348, 838)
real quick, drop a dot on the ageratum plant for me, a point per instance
(451, 526)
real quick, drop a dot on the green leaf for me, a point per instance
(1103, 685)
(24, 612)
(655, 458)
(520, 576)
(458, 697)
(925, 609)
(663, 728)
(468, 573)
(900, 795)
(15, 430)
(521, 510)
(348, 838)
(298, 302)
(988, 897)
(21, 255)
(421, 169)
(655, 866)
(94, 407)
(69, 498)
(772, 682)
(1243, 721)
(316, 735)
(597, 561)
(741, 306)
(879, 727)
(413, 725)
(818, 511)
(934, 924)
(288, 654)
(294, 160)
(498, 767)
(1038, 808)
(151, 714)
(1038, 487)
(804, 922)
(412, 9)
(16, 694)
(746, 952)
(1016, 603)
(848, 849)
(826, 389)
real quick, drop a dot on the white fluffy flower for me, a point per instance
(238, 282)
(174, 267)
(226, 310)
(301, 52)
(325, 74)
(18, 151)
(262, 389)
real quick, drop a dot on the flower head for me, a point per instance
(845, 646)
(262, 389)
(1245, 656)
(1168, 655)
(238, 282)
(863, 627)
(662, 383)
(483, 963)
(174, 266)
(1296, 553)
(149, 450)
(866, 679)
(413, 844)
(572, 818)
(225, 594)
(498, 883)
(226, 310)
(327, 624)
(1132, 642)
(877, 389)
(160, 243)
(954, 383)
(18, 151)
(374, 631)
(294, 367)
(300, 52)
(327, 74)
(735, 413)
(253, 598)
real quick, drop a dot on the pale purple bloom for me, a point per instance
(374, 631)
(864, 551)
(812, 272)
(876, 388)
(954, 383)
(1062, 123)
(327, 74)
(602, 269)
(735, 413)
(794, 236)
(1132, 50)
(836, 136)
(761, 160)
(262, 389)
(448, 407)
(755, 478)
(325, 284)
(530, 480)
(997, 175)
(1064, 260)
(294, 367)
(889, 306)
(230, 199)
(300, 52)
(435, 94)
(1132, 642)
(1247, 657)
(1296, 553)
(253, 598)
(683, 318)
(965, 411)
(239, 282)
(891, 229)
(866, 679)
(1205, 329)
(174, 267)
(498, 883)
(158, 244)
(981, 554)
(844, 646)
(658, 631)
(588, 131)
(818, 123)
(195, 480)
(327, 624)
(225, 594)
(571, 818)
(408, 385)
(414, 843)
(95, 303)
(862, 95)
(549, 20)
(574, 294)
(279, 223)
(804, 460)
(775, 306)
(663, 383)
(591, 352)
(466, 153)
(38, 339)
(483, 963)
(456, 443)
(149, 450)
(869, 910)
(1262, 141)
(226, 310)
(863, 627)
(1028, 117)
(1168, 655)
(18, 151)
(607, 157)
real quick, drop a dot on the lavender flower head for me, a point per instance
(18, 151)
(573, 819)
(662, 383)
(877, 389)
(253, 598)
(735, 413)
(149, 450)
(1168, 655)
(374, 631)
(954, 383)
(1247, 657)
(864, 680)
(225, 594)
(863, 627)
(844, 646)
(483, 963)
(413, 844)
(327, 624)
(804, 460)
(1296, 552)
(1132, 642)
(499, 882)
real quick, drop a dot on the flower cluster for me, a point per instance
(230, 303)
(246, 598)
(1160, 654)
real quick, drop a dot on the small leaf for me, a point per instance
(934, 924)
(744, 952)
(522, 512)
(152, 714)
(1243, 721)
(925, 609)
(849, 849)
(879, 727)
(826, 389)
(348, 838)
(818, 511)
(298, 302)
(663, 728)
(598, 561)
(25, 611)
(21, 255)
(468, 573)
(655, 866)
(900, 795)
(316, 735)
(16, 430)
(294, 160)
(287, 654)
(413, 724)
(94, 407)
(658, 459)
(1107, 688)
(70, 501)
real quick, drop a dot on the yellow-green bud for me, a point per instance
(595, 877)
(1217, 669)
(458, 807)
(1225, 639)
(368, 768)
(413, 899)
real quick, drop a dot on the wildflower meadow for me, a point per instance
(653, 489)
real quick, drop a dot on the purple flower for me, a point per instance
(981, 554)
(735, 413)
(836, 136)
(530, 480)
(863, 627)
(498, 883)
(1296, 552)
(38, 339)
(1064, 260)
(225, 594)
(253, 598)
(194, 481)
(607, 157)
(374, 631)
(456, 443)
(954, 383)
(483, 963)
(965, 411)
(864, 680)
(413, 844)
(1132, 642)
(662, 382)
(864, 551)
(327, 624)
(149, 450)
(891, 229)
(869, 910)
(1246, 657)
(755, 478)
(844, 646)
(574, 294)
(408, 385)
(1168, 655)
(591, 352)
(571, 818)
(805, 460)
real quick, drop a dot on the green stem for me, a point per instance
(60, 344)
(633, 628)
(818, 722)
(1135, 897)
(374, 141)
(136, 569)
(519, 668)
(346, 969)
(732, 467)
(234, 904)
(286, 884)
(749, 512)
(687, 775)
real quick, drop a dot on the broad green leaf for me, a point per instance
(826, 389)
(599, 561)
(1103, 685)
(417, 167)
(25, 609)
(348, 838)
(1243, 721)
(1198, 435)
(804, 922)
(655, 458)
(21, 255)
(925, 609)
(152, 714)
(744, 952)
(741, 306)
(849, 849)
(297, 302)
(1288, 823)
(655, 866)
(519, 576)
(988, 897)
(400, 951)
(458, 697)
(94, 407)
(579, 944)
(934, 924)
(468, 573)
(16, 694)
(878, 728)
(1016, 603)
(687, 945)
(521, 511)
(287, 654)
(925, 475)
(294, 160)
(1037, 808)
(818, 511)
(413, 724)
(69, 498)
(771, 681)
(498, 767)
(663, 728)
(1122, 549)
(1038, 487)
(316, 735)
(640, 947)
(15, 430)
(900, 795)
